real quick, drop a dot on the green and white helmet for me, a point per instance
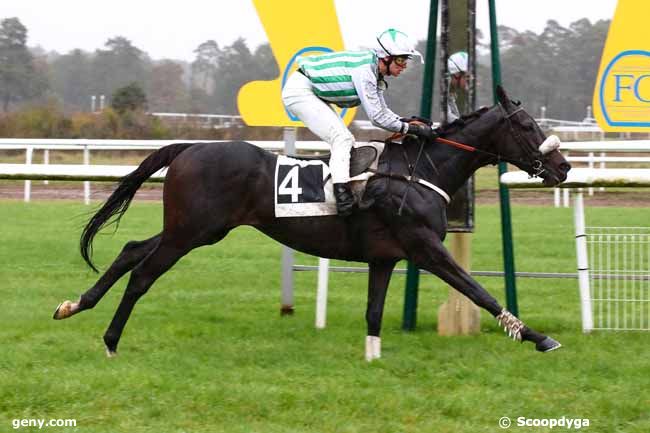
(457, 62)
(394, 43)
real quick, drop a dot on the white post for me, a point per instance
(565, 197)
(556, 197)
(46, 161)
(287, 253)
(102, 102)
(565, 191)
(93, 101)
(286, 307)
(591, 166)
(29, 153)
(86, 182)
(583, 262)
(321, 293)
(602, 165)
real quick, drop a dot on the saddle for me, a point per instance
(360, 159)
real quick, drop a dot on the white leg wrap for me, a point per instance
(373, 348)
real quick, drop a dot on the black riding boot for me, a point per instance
(345, 202)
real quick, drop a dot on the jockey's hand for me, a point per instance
(422, 130)
(418, 119)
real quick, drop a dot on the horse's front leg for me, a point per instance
(379, 273)
(426, 250)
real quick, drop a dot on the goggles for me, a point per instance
(401, 60)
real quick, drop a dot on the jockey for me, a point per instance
(457, 66)
(348, 79)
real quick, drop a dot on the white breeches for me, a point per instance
(322, 120)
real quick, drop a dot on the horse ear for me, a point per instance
(502, 97)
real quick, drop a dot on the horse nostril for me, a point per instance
(565, 167)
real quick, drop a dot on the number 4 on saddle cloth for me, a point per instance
(303, 184)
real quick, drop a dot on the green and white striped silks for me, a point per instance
(331, 74)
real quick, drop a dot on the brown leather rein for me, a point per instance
(398, 136)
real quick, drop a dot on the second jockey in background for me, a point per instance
(457, 65)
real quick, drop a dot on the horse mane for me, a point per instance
(463, 120)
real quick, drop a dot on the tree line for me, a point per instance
(555, 69)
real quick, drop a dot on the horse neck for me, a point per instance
(455, 166)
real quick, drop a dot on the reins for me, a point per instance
(536, 164)
(466, 147)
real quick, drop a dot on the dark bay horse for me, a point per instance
(211, 188)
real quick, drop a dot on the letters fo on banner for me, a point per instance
(622, 94)
(293, 29)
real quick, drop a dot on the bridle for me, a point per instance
(534, 161)
(535, 156)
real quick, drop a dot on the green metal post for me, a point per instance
(430, 65)
(412, 272)
(504, 194)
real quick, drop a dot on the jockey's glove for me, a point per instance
(422, 131)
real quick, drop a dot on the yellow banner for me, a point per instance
(622, 94)
(294, 28)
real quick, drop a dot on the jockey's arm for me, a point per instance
(372, 100)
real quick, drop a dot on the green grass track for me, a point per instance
(207, 351)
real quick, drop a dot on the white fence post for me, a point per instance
(86, 183)
(602, 165)
(287, 281)
(583, 262)
(590, 190)
(565, 197)
(46, 160)
(287, 253)
(29, 154)
(565, 191)
(321, 293)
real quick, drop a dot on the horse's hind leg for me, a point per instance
(132, 254)
(430, 254)
(163, 257)
(168, 251)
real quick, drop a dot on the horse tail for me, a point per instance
(116, 205)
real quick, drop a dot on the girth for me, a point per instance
(415, 179)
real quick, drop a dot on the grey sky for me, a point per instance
(173, 29)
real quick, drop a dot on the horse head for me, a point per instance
(520, 141)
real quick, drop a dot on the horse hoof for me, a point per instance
(110, 353)
(547, 345)
(64, 310)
